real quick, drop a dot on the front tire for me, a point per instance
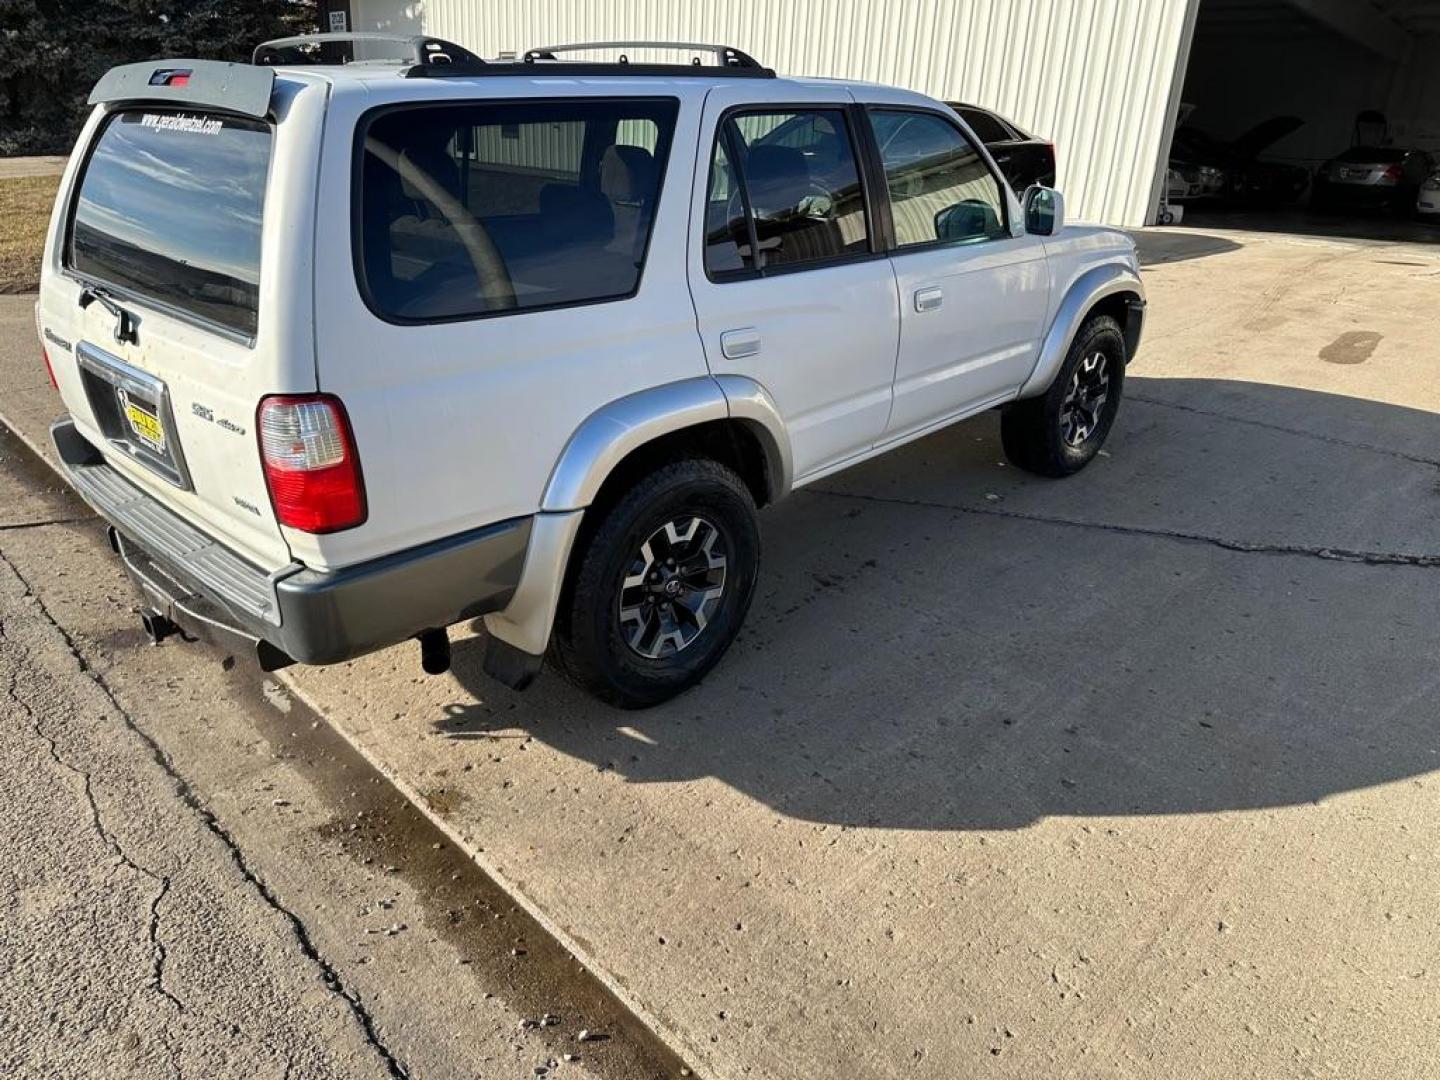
(660, 586)
(1060, 432)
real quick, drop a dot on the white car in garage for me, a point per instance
(1429, 202)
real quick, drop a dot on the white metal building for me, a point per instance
(1104, 79)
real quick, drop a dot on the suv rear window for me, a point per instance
(988, 129)
(477, 209)
(169, 210)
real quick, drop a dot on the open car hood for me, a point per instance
(1266, 134)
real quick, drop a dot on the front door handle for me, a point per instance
(739, 344)
(929, 299)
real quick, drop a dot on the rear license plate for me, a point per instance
(132, 410)
(144, 423)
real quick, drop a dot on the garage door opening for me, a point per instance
(1311, 116)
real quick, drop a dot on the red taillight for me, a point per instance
(1394, 172)
(311, 466)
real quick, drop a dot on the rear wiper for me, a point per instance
(127, 326)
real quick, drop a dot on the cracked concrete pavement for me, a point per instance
(1132, 775)
(135, 940)
(357, 904)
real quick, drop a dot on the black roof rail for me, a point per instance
(418, 50)
(726, 56)
(729, 63)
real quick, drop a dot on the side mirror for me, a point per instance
(1044, 210)
(970, 219)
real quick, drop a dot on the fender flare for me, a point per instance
(599, 444)
(607, 435)
(1087, 290)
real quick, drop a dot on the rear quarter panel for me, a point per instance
(459, 424)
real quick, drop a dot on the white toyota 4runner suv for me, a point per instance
(354, 350)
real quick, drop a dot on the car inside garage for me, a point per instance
(1310, 116)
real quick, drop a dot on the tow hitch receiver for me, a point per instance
(157, 627)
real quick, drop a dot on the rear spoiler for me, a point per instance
(236, 88)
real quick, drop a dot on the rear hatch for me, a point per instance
(157, 282)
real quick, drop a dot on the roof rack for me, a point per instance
(418, 50)
(726, 56)
(729, 62)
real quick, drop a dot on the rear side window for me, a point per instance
(478, 209)
(792, 178)
(988, 129)
(169, 210)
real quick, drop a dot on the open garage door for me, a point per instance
(1311, 116)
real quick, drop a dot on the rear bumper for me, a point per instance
(295, 614)
(1361, 196)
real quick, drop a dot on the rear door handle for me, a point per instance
(929, 299)
(741, 343)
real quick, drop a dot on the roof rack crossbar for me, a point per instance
(421, 51)
(726, 56)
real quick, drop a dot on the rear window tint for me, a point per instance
(169, 210)
(988, 129)
(477, 209)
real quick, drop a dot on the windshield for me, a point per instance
(169, 210)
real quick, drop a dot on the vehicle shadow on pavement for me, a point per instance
(1156, 246)
(940, 641)
(1377, 226)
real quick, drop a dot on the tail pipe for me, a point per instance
(434, 651)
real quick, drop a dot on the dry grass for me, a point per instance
(24, 215)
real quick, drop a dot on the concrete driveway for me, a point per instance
(1129, 775)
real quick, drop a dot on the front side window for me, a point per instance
(940, 189)
(796, 175)
(170, 209)
(476, 209)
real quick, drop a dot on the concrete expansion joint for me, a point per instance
(1245, 547)
(1370, 448)
(328, 974)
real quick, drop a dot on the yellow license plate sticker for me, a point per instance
(145, 425)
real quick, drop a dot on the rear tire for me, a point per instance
(1058, 433)
(660, 585)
